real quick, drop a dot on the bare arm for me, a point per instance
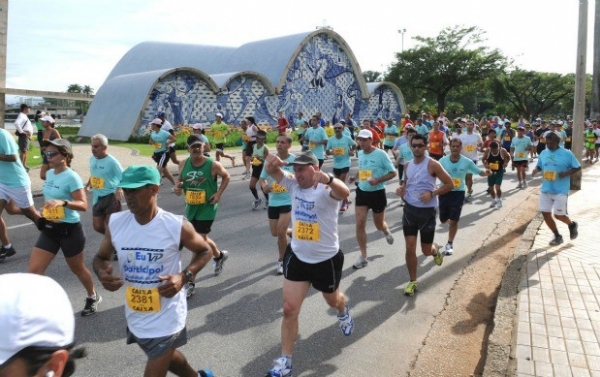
(79, 202)
(339, 190)
(274, 167)
(219, 171)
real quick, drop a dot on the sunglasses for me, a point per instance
(418, 145)
(51, 154)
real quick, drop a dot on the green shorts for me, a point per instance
(495, 178)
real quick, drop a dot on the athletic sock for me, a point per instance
(220, 256)
(7, 246)
(254, 192)
(266, 196)
(288, 360)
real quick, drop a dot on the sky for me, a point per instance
(55, 43)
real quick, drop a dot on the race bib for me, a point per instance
(277, 188)
(157, 145)
(195, 197)
(53, 214)
(457, 182)
(549, 175)
(218, 134)
(246, 138)
(494, 166)
(364, 175)
(143, 300)
(307, 231)
(256, 161)
(520, 154)
(339, 151)
(312, 145)
(542, 140)
(97, 182)
(568, 139)
(390, 137)
(433, 145)
(506, 138)
(470, 148)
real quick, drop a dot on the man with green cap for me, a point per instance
(149, 242)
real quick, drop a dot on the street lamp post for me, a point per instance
(402, 32)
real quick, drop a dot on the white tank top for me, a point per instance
(250, 133)
(145, 252)
(418, 180)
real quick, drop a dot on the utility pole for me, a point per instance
(402, 32)
(3, 42)
(579, 103)
(595, 105)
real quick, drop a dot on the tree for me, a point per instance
(451, 61)
(86, 89)
(531, 93)
(372, 76)
(74, 88)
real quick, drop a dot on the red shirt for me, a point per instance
(282, 125)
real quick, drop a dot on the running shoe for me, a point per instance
(190, 288)
(524, 184)
(573, 233)
(411, 288)
(279, 267)
(438, 257)
(280, 368)
(493, 205)
(520, 185)
(389, 238)
(360, 262)
(256, 204)
(557, 240)
(91, 305)
(448, 250)
(6, 252)
(266, 204)
(470, 193)
(499, 203)
(220, 262)
(205, 373)
(346, 322)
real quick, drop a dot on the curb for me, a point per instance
(500, 360)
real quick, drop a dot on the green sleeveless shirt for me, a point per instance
(198, 187)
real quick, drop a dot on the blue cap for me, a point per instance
(160, 114)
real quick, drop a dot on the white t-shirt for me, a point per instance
(314, 221)
(470, 144)
(597, 132)
(145, 252)
(23, 124)
(167, 126)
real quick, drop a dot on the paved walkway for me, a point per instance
(558, 328)
(127, 156)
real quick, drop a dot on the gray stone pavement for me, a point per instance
(558, 328)
(128, 156)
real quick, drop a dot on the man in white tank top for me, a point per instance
(147, 240)
(419, 192)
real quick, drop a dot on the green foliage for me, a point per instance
(372, 76)
(444, 65)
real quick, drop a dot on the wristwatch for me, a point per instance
(65, 203)
(189, 276)
(331, 177)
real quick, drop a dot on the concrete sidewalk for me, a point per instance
(128, 156)
(552, 326)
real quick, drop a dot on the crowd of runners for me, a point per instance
(434, 160)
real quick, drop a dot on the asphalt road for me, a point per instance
(234, 319)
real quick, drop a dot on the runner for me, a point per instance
(437, 142)
(199, 129)
(419, 193)
(64, 197)
(49, 133)
(471, 143)
(148, 239)
(496, 160)
(105, 174)
(314, 257)
(374, 169)
(160, 138)
(519, 151)
(251, 132)
(280, 202)
(167, 126)
(459, 167)
(220, 131)
(557, 165)
(590, 143)
(316, 137)
(391, 134)
(15, 190)
(198, 176)
(405, 154)
(259, 153)
(342, 147)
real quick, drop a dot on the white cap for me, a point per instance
(365, 134)
(157, 121)
(34, 311)
(47, 118)
(219, 115)
(198, 126)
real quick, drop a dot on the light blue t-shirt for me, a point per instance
(521, 146)
(552, 163)
(391, 133)
(12, 174)
(423, 129)
(160, 137)
(314, 135)
(458, 170)
(341, 151)
(375, 164)
(60, 186)
(346, 132)
(405, 153)
(279, 195)
(106, 174)
(400, 141)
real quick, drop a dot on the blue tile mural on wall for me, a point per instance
(321, 78)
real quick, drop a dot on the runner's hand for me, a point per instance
(171, 285)
(109, 281)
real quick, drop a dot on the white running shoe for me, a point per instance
(493, 205)
(524, 184)
(256, 204)
(279, 267)
(448, 250)
(389, 238)
(218, 268)
(499, 203)
(360, 262)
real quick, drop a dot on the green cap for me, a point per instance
(137, 176)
